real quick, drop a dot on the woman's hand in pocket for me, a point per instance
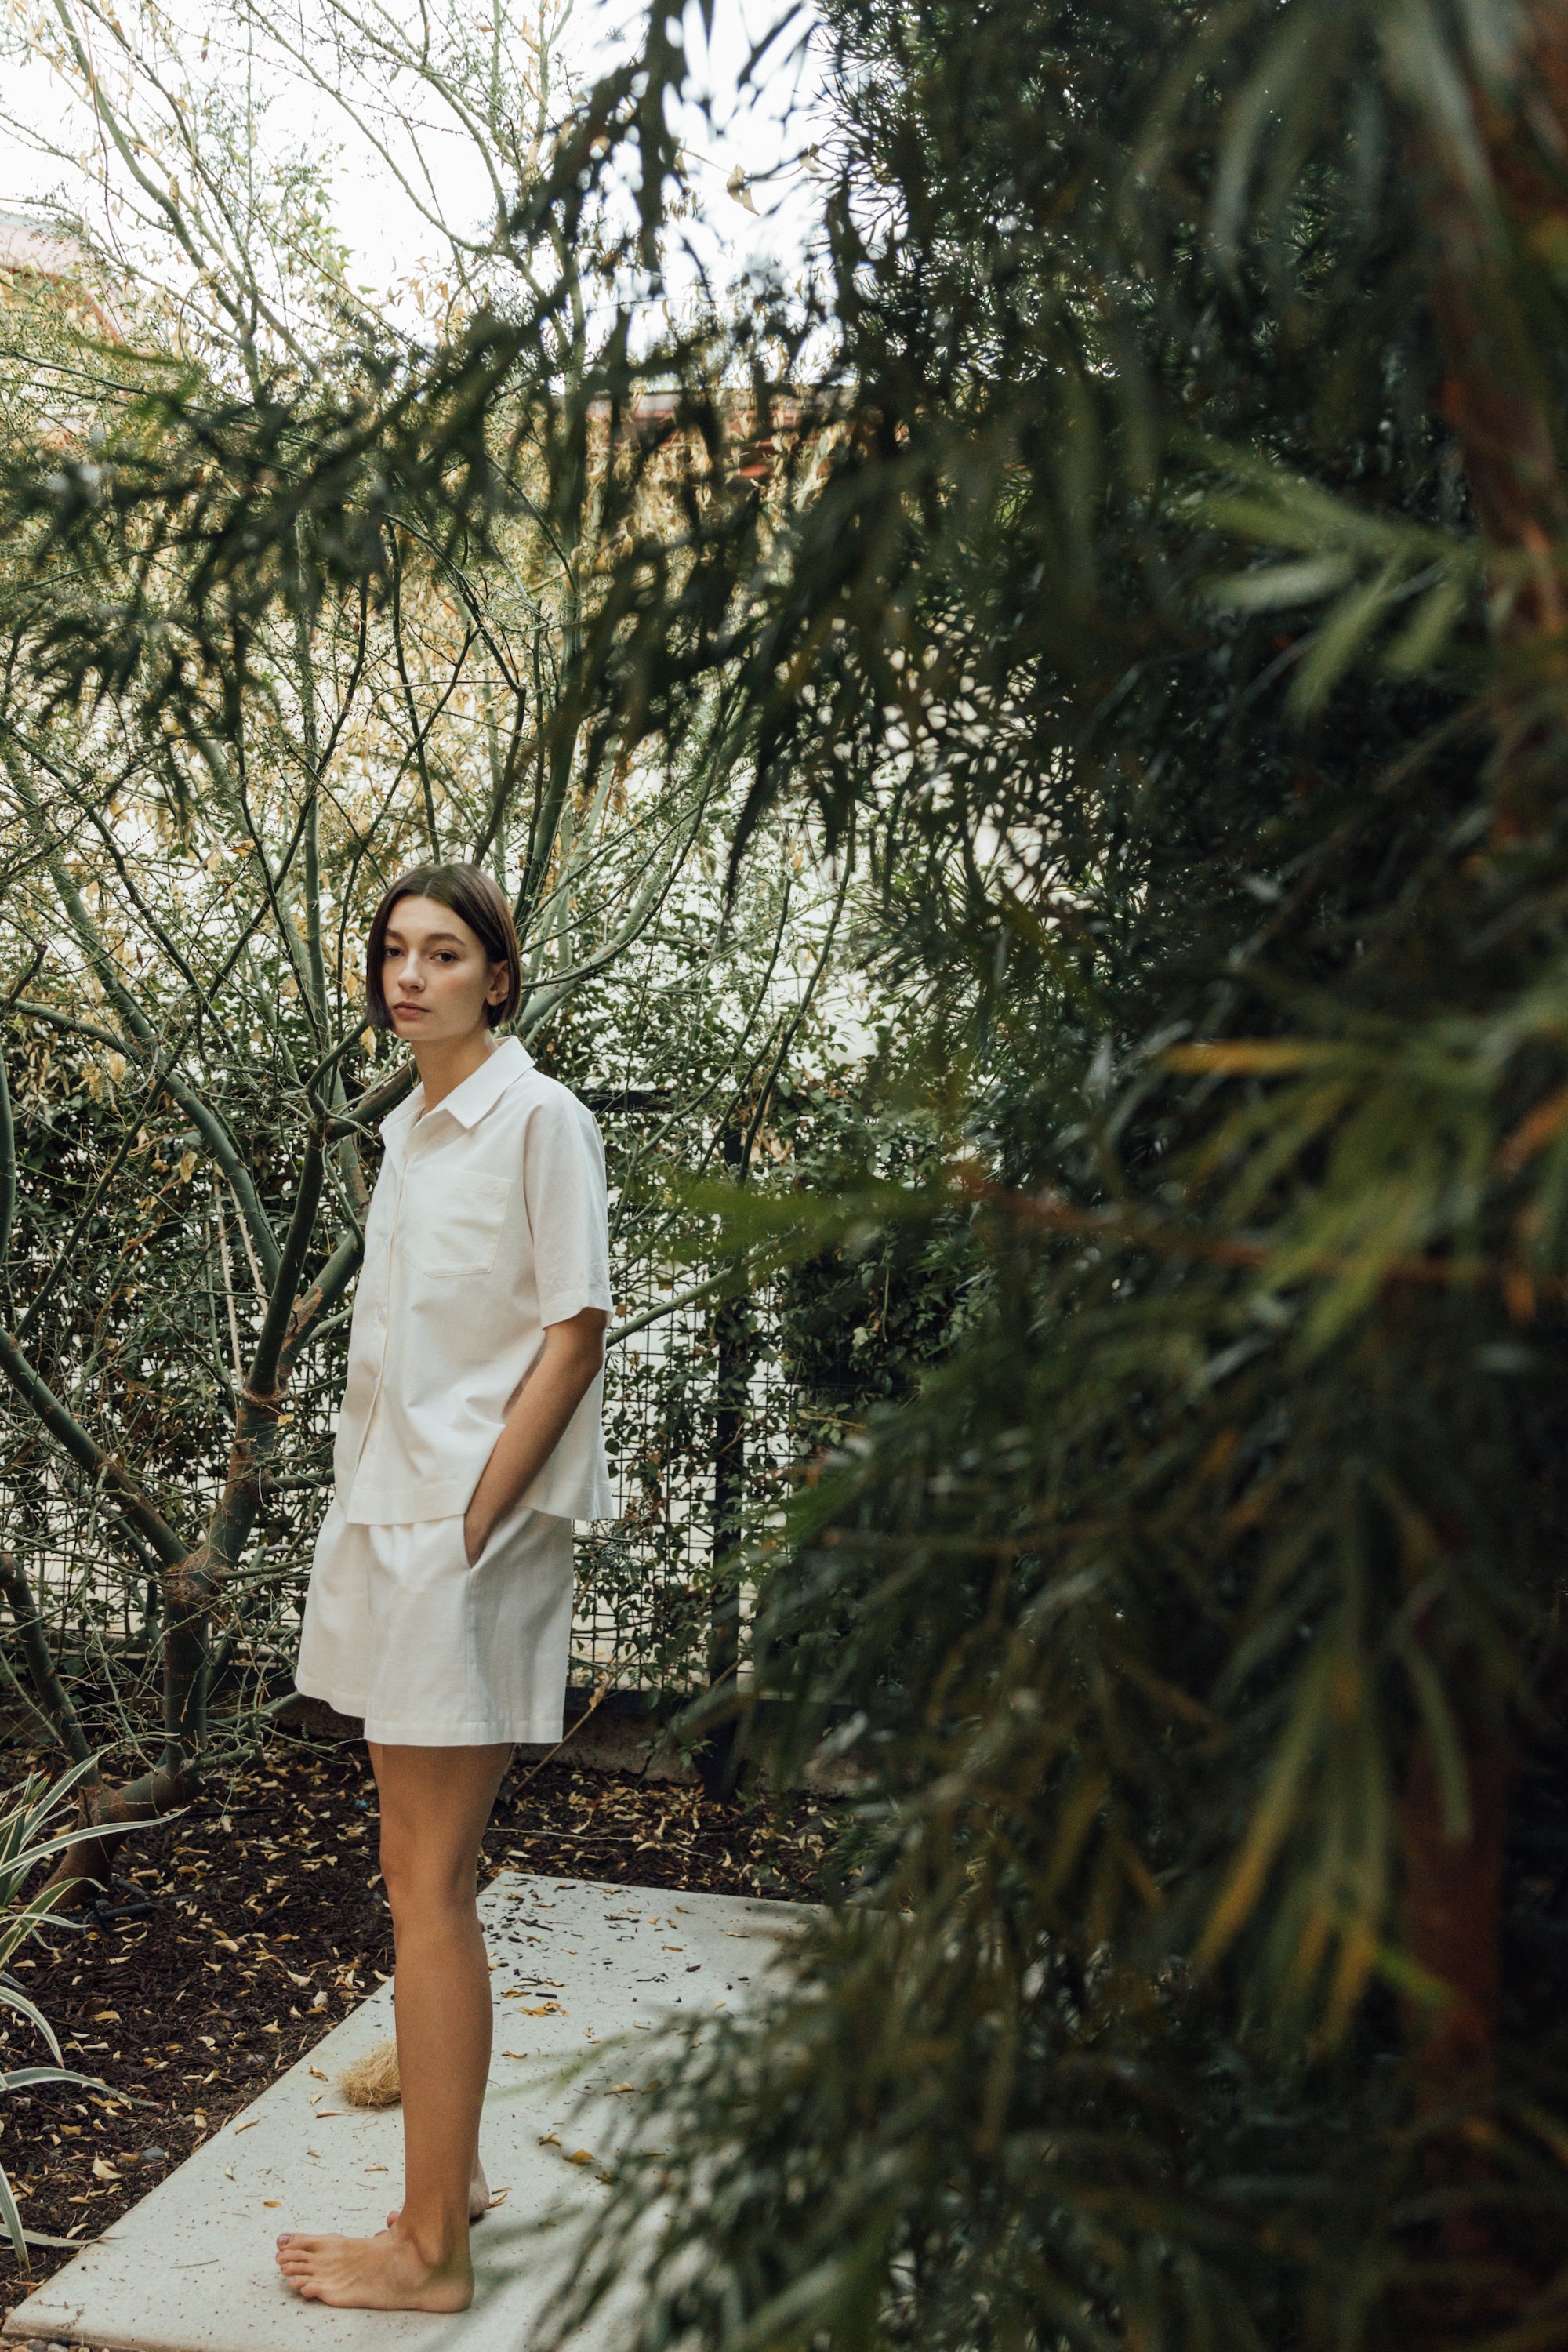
(476, 1534)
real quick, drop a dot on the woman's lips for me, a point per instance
(410, 1008)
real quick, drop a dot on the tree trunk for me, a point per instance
(734, 1336)
(1453, 1897)
(1496, 402)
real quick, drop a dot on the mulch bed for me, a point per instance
(252, 1923)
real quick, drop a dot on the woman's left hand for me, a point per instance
(553, 1388)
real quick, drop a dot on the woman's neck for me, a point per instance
(444, 1063)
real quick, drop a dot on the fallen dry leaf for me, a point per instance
(248, 2124)
(581, 2156)
(102, 2171)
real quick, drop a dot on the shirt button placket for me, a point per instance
(380, 1312)
(383, 1274)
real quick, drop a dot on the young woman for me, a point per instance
(440, 1598)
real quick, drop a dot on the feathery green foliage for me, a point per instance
(1196, 672)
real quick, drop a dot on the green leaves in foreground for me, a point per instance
(1380, 589)
(26, 1844)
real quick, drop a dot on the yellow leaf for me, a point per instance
(581, 2156)
(1238, 1056)
(1272, 1818)
(102, 2171)
(1544, 1123)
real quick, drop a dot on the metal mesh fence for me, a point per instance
(641, 1618)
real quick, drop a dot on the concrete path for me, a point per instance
(191, 2270)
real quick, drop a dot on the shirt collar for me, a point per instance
(467, 1103)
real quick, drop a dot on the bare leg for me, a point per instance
(435, 1803)
(479, 2196)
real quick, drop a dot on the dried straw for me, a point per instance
(373, 2081)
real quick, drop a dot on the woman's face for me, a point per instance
(435, 974)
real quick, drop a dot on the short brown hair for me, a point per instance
(469, 893)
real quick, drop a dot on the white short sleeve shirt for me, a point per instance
(489, 1220)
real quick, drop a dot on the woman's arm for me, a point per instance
(557, 1382)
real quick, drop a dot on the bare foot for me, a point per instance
(385, 2273)
(478, 2198)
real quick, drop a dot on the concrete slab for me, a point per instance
(574, 1964)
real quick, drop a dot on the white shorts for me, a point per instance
(432, 1653)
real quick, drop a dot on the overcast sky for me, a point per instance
(759, 130)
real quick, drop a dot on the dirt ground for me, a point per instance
(253, 1923)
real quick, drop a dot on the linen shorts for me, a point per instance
(432, 1653)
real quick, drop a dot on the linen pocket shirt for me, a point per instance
(489, 1220)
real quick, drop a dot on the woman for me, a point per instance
(440, 1598)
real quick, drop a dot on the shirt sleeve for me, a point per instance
(568, 1209)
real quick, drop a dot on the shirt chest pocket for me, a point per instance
(452, 1225)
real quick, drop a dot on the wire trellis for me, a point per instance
(641, 1620)
(643, 1580)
